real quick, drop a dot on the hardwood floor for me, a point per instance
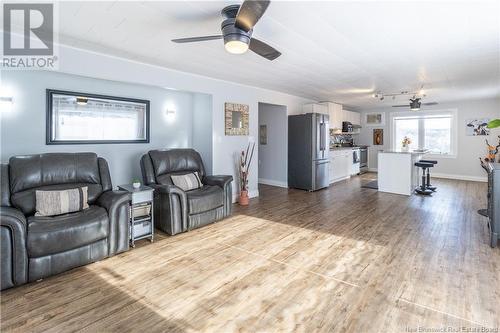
(344, 259)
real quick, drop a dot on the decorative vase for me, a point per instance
(136, 185)
(405, 148)
(243, 198)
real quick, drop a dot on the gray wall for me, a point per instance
(470, 148)
(23, 129)
(202, 128)
(273, 155)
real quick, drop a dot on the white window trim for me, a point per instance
(454, 129)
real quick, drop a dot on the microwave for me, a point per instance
(346, 127)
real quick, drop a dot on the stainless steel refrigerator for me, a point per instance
(308, 148)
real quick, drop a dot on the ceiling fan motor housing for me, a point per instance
(230, 11)
(231, 33)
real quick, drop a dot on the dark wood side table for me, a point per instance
(141, 212)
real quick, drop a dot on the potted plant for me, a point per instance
(406, 144)
(245, 162)
(494, 123)
(136, 183)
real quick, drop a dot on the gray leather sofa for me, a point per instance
(178, 211)
(34, 247)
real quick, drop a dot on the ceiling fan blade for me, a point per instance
(430, 103)
(196, 39)
(263, 49)
(249, 13)
(401, 106)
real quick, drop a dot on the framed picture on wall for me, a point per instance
(236, 119)
(263, 134)
(378, 136)
(82, 118)
(477, 127)
(375, 119)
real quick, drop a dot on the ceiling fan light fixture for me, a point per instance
(414, 105)
(236, 46)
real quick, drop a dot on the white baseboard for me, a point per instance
(273, 182)
(339, 179)
(251, 194)
(372, 170)
(459, 177)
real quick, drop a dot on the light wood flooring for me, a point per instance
(344, 259)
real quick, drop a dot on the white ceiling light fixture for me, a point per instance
(381, 96)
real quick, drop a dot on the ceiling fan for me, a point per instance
(237, 29)
(414, 104)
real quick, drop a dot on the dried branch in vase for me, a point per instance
(245, 162)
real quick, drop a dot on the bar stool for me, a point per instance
(429, 185)
(422, 189)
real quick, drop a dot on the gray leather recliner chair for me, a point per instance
(34, 247)
(178, 211)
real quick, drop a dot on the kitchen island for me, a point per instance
(397, 172)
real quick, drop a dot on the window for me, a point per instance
(435, 131)
(84, 118)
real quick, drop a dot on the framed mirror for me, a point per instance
(81, 118)
(236, 119)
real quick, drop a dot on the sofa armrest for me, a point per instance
(220, 181)
(15, 221)
(116, 204)
(223, 181)
(168, 189)
(171, 203)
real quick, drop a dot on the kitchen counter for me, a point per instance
(352, 147)
(412, 152)
(342, 148)
(397, 172)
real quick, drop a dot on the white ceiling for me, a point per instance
(340, 51)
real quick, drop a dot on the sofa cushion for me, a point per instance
(50, 203)
(176, 161)
(26, 200)
(187, 182)
(32, 171)
(49, 235)
(55, 171)
(205, 199)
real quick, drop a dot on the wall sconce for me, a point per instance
(6, 103)
(170, 113)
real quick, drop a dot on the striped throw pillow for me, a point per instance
(50, 203)
(187, 182)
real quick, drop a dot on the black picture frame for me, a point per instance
(49, 117)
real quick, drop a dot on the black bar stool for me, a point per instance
(429, 185)
(422, 189)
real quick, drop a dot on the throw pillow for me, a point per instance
(187, 182)
(50, 203)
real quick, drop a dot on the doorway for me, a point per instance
(273, 145)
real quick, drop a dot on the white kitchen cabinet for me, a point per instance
(335, 114)
(352, 117)
(340, 164)
(315, 108)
